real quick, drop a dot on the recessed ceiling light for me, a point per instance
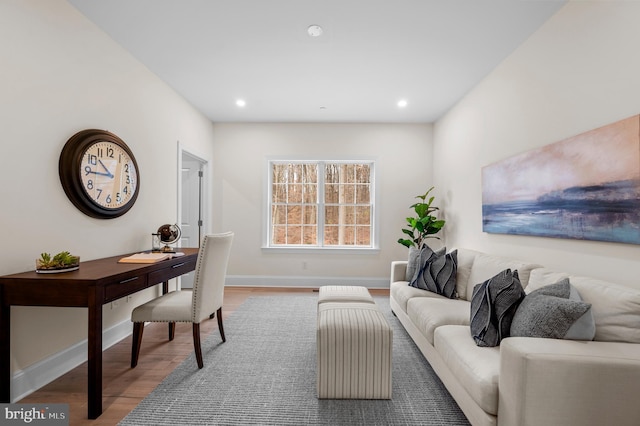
(241, 103)
(314, 30)
(402, 103)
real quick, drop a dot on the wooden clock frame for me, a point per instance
(70, 170)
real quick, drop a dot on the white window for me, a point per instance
(322, 204)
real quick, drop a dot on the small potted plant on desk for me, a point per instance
(61, 262)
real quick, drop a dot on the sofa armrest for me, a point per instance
(563, 382)
(398, 271)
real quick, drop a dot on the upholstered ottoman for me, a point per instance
(344, 293)
(354, 351)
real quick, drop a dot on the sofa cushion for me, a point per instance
(465, 264)
(616, 308)
(486, 266)
(401, 292)
(477, 369)
(436, 272)
(429, 313)
(493, 306)
(556, 312)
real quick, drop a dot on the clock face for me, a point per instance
(108, 174)
(99, 174)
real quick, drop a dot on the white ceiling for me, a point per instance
(372, 53)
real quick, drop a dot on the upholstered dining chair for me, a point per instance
(194, 306)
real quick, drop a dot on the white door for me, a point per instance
(191, 218)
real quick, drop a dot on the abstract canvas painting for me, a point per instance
(584, 187)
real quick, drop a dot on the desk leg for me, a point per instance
(94, 385)
(5, 353)
(165, 290)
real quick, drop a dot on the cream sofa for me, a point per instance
(528, 381)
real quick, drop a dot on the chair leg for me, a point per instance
(138, 329)
(172, 330)
(220, 327)
(196, 344)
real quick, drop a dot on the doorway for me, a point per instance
(191, 211)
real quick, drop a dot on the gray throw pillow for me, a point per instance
(556, 312)
(412, 263)
(493, 305)
(437, 272)
(422, 257)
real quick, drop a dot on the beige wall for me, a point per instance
(61, 74)
(403, 157)
(578, 72)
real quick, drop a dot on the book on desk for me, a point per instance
(148, 257)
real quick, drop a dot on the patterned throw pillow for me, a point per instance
(493, 305)
(555, 311)
(437, 271)
(412, 263)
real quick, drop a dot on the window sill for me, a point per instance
(322, 250)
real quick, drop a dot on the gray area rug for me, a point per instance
(265, 374)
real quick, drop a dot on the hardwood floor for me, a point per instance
(124, 387)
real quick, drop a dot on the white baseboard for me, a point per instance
(47, 370)
(303, 281)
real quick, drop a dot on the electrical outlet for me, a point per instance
(129, 297)
(304, 264)
(114, 304)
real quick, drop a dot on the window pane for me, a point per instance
(363, 235)
(331, 215)
(331, 173)
(294, 234)
(279, 215)
(347, 215)
(331, 194)
(279, 235)
(310, 194)
(363, 195)
(349, 173)
(294, 214)
(310, 173)
(363, 215)
(295, 173)
(310, 215)
(363, 173)
(279, 193)
(331, 235)
(279, 173)
(310, 235)
(347, 194)
(294, 194)
(348, 235)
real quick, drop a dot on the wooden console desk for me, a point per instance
(96, 282)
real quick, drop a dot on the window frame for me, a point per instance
(320, 247)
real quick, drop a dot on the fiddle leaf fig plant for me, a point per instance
(424, 225)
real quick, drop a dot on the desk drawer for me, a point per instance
(172, 271)
(125, 287)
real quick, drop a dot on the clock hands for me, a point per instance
(97, 173)
(105, 167)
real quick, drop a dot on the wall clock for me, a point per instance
(99, 174)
